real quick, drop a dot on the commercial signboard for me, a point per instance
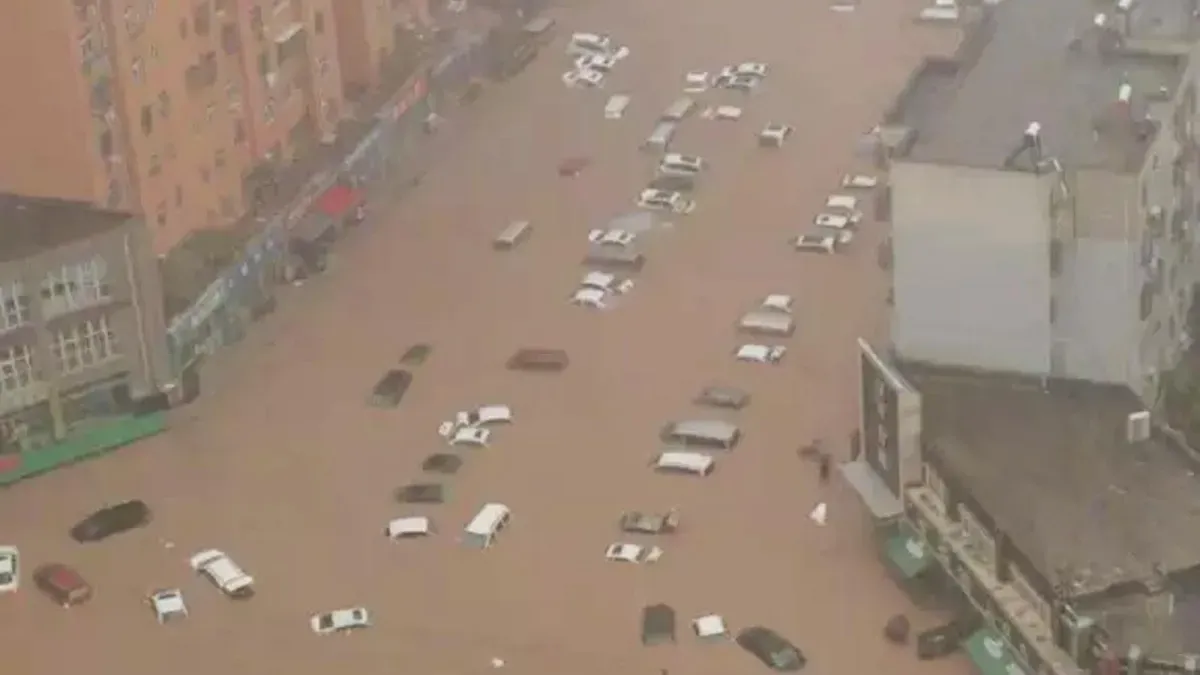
(889, 421)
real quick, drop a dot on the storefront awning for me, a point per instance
(991, 654)
(907, 553)
(337, 201)
(870, 487)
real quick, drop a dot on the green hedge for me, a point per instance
(80, 446)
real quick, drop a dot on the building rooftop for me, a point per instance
(1043, 62)
(1054, 471)
(29, 225)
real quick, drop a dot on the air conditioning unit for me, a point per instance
(1137, 427)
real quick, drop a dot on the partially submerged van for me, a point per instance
(678, 110)
(658, 624)
(615, 108)
(624, 258)
(659, 140)
(512, 235)
(694, 463)
(775, 324)
(482, 530)
(715, 434)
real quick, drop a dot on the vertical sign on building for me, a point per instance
(889, 421)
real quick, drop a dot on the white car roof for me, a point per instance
(399, 527)
(712, 625)
(849, 202)
(679, 459)
(754, 351)
(169, 601)
(8, 559)
(471, 433)
(651, 193)
(222, 569)
(602, 280)
(679, 158)
(494, 411)
(589, 294)
(778, 302)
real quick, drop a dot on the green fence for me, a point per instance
(79, 446)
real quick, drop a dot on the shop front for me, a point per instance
(991, 655)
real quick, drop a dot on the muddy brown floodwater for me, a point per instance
(283, 466)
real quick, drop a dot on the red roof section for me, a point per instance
(338, 200)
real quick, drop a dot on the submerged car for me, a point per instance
(772, 649)
(112, 520)
(639, 522)
(632, 553)
(340, 620)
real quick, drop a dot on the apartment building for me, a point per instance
(1044, 216)
(162, 108)
(81, 315)
(368, 34)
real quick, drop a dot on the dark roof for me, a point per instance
(1040, 63)
(30, 225)
(1053, 470)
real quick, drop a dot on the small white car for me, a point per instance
(696, 82)
(591, 298)
(471, 436)
(408, 527)
(597, 62)
(609, 283)
(838, 221)
(675, 164)
(492, 413)
(664, 200)
(620, 238)
(816, 243)
(592, 79)
(340, 621)
(710, 627)
(723, 113)
(842, 203)
(632, 553)
(858, 181)
(774, 135)
(224, 573)
(760, 353)
(167, 604)
(777, 302)
(10, 569)
(744, 83)
(746, 69)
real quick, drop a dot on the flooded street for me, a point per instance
(282, 465)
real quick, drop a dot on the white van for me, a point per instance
(693, 463)
(613, 257)
(679, 109)
(482, 530)
(675, 164)
(775, 324)
(716, 434)
(224, 573)
(586, 44)
(660, 139)
(512, 235)
(615, 108)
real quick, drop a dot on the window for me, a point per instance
(205, 174)
(136, 69)
(84, 345)
(14, 307)
(164, 104)
(147, 120)
(75, 287)
(154, 53)
(219, 158)
(319, 23)
(106, 144)
(16, 368)
(155, 164)
(210, 111)
(269, 112)
(178, 196)
(183, 29)
(264, 64)
(239, 132)
(256, 22)
(160, 215)
(171, 152)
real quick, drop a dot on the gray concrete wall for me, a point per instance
(971, 268)
(1098, 323)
